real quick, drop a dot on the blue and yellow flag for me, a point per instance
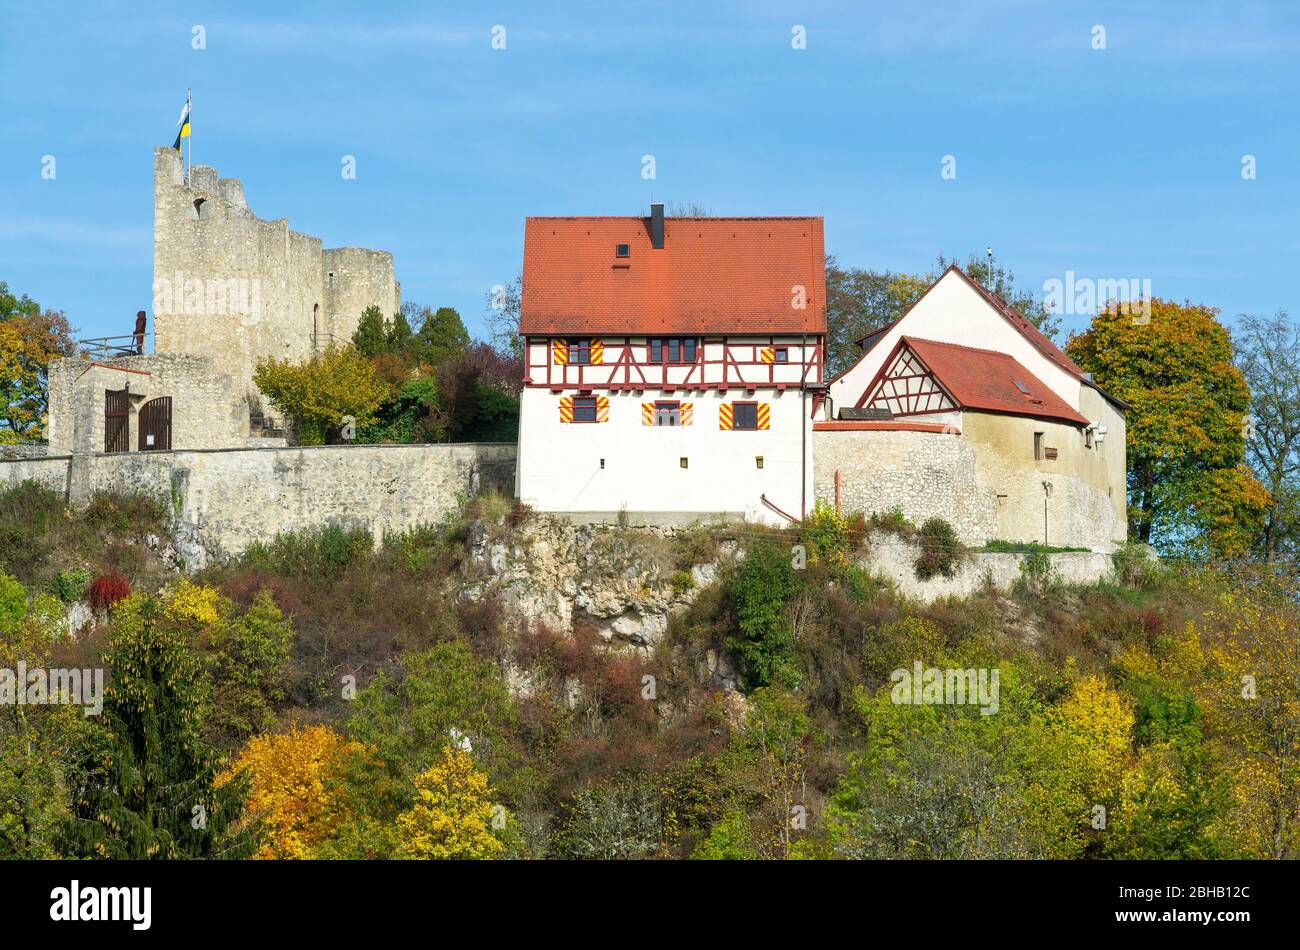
(184, 123)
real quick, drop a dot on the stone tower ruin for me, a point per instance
(236, 288)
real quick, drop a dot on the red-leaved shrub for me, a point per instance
(107, 589)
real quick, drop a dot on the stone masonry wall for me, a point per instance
(224, 500)
(926, 474)
(985, 489)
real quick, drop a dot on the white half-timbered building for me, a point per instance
(671, 365)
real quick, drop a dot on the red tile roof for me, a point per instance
(713, 275)
(986, 380)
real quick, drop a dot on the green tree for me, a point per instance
(759, 593)
(1186, 441)
(371, 336)
(400, 335)
(496, 417)
(859, 302)
(441, 695)
(249, 658)
(768, 762)
(11, 306)
(146, 785)
(442, 334)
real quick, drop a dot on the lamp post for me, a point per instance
(1047, 493)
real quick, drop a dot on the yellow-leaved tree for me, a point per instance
(334, 390)
(1080, 753)
(1251, 699)
(453, 813)
(291, 792)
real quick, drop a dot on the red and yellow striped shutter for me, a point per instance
(597, 352)
(688, 413)
(768, 354)
(647, 413)
(566, 408)
(560, 353)
(765, 415)
(602, 408)
(725, 416)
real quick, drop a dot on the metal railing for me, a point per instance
(106, 347)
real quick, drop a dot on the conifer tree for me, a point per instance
(371, 336)
(146, 779)
(400, 335)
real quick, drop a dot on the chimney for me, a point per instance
(657, 226)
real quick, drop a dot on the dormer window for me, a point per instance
(622, 250)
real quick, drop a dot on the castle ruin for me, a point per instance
(230, 289)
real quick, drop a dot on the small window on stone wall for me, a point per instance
(200, 209)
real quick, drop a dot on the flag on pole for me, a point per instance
(184, 123)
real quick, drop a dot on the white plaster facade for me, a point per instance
(623, 464)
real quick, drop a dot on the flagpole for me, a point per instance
(189, 108)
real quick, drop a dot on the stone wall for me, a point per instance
(894, 559)
(925, 474)
(985, 481)
(225, 500)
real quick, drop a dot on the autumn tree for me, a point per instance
(452, 815)
(1243, 661)
(291, 788)
(29, 341)
(320, 394)
(145, 784)
(1187, 483)
(1268, 355)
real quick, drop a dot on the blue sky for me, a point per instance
(1116, 163)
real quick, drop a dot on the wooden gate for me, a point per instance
(156, 425)
(117, 420)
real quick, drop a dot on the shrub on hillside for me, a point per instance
(107, 589)
(825, 534)
(324, 552)
(1134, 565)
(941, 551)
(760, 591)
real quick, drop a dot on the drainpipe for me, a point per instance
(803, 430)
